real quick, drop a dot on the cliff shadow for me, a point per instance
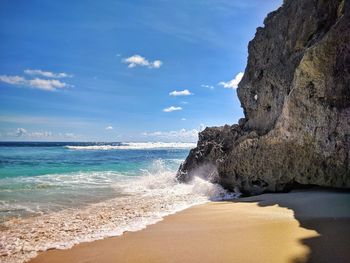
(325, 211)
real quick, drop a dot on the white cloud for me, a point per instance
(137, 60)
(185, 92)
(37, 83)
(109, 128)
(44, 134)
(47, 84)
(47, 74)
(156, 64)
(207, 86)
(13, 80)
(182, 135)
(172, 108)
(183, 119)
(232, 84)
(21, 132)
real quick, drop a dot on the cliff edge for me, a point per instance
(295, 94)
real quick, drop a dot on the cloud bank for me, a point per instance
(40, 135)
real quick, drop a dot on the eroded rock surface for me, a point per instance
(296, 99)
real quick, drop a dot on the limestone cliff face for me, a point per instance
(296, 99)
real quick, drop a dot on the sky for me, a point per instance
(112, 70)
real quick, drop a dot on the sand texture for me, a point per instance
(302, 226)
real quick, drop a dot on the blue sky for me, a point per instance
(122, 70)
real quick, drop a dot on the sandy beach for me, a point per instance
(301, 226)
(175, 131)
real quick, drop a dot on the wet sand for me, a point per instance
(301, 226)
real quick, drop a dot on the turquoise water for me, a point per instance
(43, 177)
(55, 195)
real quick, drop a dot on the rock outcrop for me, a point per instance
(295, 94)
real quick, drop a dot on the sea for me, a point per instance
(58, 194)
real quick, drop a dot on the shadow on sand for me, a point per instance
(327, 212)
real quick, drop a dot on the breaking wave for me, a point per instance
(135, 146)
(142, 200)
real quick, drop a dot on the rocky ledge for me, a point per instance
(295, 94)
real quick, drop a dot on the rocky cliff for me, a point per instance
(295, 94)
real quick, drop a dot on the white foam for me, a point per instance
(146, 200)
(136, 146)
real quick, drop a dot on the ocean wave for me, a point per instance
(35, 195)
(135, 146)
(145, 200)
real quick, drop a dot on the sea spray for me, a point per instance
(143, 200)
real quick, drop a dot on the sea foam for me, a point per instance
(135, 146)
(145, 200)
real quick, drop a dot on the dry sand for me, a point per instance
(302, 226)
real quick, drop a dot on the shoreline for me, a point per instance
(147, 200)
(301, 226)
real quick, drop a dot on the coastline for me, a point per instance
(145, 200)
(301, 226)
(125, 137)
